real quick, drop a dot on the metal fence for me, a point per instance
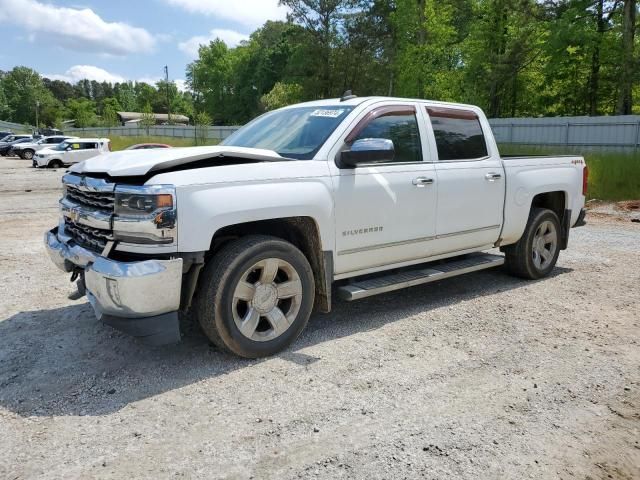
(14, 127)
(175, 131)
(620, 133)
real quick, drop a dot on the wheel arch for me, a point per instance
(301, 231)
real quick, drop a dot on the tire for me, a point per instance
(239, 305)
(27, 154)
(55, 164)
(536, 253)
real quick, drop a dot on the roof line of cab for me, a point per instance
(353, 102)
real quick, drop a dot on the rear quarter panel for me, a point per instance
(530, 176)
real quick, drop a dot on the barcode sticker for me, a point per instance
(327, 113)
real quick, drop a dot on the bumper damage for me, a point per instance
(139, 298)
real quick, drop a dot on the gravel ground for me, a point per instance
(482, 376)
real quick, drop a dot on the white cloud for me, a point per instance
(75, 28)
(230, 37)
(181, 85)
(89, 72)
(252, 13)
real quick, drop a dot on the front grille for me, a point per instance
(96, 200)
(92, 238)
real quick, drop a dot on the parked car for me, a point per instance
(13, 137)
(6, 148)
(146, 146)
(4, 134)
(369, 195)
(71, 151)
(27, 150)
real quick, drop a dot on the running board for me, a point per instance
(409, 278)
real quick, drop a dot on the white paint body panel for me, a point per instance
(395, 222)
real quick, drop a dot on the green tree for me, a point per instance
(83, 111)
(147, 120)
(110, 108)
(202, 122)
(23, 88)
(281, 95)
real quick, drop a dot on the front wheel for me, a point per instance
(255, 296)
(536, 253)
(27, 154)
(55, 164)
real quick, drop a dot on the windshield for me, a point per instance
(61, 146)
(294, 132)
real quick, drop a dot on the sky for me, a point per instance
(117, 40)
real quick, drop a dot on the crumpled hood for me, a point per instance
(141, 162)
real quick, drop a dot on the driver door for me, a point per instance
(386, 212)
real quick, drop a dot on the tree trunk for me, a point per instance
(625, 101)
(594, 76)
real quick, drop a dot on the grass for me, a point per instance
(120, 143)
(613, 176)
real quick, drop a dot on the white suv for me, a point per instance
(71, 151)
(27, 150)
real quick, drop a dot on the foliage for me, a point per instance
(147, 120)
(83, 111)
(281, 95)
(202, 120)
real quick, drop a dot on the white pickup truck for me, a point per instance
(365, 195)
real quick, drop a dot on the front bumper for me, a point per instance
(140, 298)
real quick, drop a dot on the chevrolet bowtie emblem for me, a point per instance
(74, 215)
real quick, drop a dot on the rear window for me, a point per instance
(458, 134)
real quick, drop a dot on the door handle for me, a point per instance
(492, 177)
(422, 181)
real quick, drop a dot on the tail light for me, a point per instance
(585, 180)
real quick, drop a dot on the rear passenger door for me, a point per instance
(471, 183)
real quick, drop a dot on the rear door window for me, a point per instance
(458, 134)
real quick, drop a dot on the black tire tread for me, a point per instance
(517, 260)
(216, 273)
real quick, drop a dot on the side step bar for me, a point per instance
(409, 278)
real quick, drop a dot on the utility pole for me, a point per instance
(37, 108)
(166, 78)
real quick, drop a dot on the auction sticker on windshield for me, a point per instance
(327, 113)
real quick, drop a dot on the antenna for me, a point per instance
(348, 95)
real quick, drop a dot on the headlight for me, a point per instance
(145, 214)
(128, 204)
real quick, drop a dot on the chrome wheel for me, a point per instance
(28, 154)
(545, 244)
(267, 299)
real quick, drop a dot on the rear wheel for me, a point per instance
(55, 164)
(536, 253)
(27, 154)
(255, 296)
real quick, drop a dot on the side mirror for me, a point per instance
(368, 150)
(69, 148)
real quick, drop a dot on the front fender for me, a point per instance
(204, 209)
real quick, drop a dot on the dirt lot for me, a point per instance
(478, 377)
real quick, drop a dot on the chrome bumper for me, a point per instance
(124, 290)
